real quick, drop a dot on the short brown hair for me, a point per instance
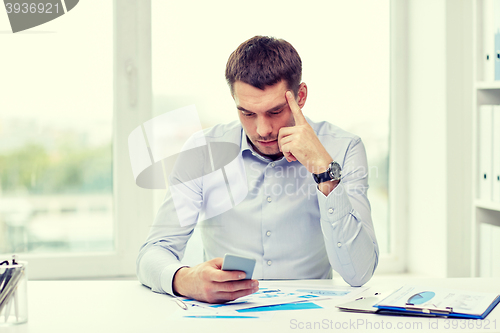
(264, 61)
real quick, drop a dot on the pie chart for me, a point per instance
(421, 298)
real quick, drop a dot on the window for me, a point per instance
(345, 50)
(68, 202)
(55, 136)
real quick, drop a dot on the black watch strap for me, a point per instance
(322, 177)
(332, 173)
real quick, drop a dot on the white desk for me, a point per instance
(127, 306)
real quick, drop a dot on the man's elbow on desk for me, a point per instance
(358, 282)
(359, 279)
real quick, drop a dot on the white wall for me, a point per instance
(427, 135)
(438, 104)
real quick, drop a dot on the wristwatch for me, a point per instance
(333, 173)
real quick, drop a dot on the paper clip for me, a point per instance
(427, 310)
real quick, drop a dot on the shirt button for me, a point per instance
(272, 164)
(269, 199)
(330, 211)
(268, 233)
(339, 244)
(269, 262)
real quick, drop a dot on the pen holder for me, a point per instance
(13, 294)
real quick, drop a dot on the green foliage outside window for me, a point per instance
(32, 169)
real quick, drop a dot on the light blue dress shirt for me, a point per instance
(278, 216)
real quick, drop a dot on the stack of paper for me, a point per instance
(267, 299)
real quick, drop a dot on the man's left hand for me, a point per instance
(300, 142)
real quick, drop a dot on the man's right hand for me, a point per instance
(207, 282)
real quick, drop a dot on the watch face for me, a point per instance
(335, 171)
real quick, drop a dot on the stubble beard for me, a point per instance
(271, 154)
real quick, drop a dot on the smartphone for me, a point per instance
(233, 262)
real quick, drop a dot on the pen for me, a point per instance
(270, 291)
(4, 279)
(16, 305)
(15, 298)
(181, 304)
(362, 297)
(7, 310)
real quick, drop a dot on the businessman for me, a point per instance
(306, 211)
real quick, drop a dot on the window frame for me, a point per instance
(132, 206)
(395, 261)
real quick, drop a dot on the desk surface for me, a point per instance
(127, 306)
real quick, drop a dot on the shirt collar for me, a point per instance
(244, 143)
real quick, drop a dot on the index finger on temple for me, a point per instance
(296, 111)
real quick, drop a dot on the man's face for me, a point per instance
(262, 113)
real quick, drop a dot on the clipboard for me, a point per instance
(411, 309)
(419, 301)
